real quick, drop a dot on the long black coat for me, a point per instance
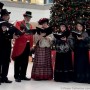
(81, 58)
(5, 45)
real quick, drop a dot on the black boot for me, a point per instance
(17, 79)
(5, 80)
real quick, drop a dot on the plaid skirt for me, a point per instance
(42, 64)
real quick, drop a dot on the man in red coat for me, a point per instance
(21, 49)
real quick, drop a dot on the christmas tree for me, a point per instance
(70, 12)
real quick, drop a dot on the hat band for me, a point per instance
(27, 15)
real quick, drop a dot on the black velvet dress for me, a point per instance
(63, 65)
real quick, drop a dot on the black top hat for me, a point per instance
(43, 20)
(28, 13)
(1, 5)
(4, 12)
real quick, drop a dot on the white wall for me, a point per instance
(17, 13)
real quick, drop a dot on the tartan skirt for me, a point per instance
(42, 64)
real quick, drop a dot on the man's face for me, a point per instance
(6, 17)
(27, 19)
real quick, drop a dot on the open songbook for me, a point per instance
(76, 33)
(38, 30)
(61, 34)
(11, 29)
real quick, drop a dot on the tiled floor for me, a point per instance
(40, 85)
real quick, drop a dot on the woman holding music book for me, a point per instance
(63, 64)
(81, 56)
(42, 65)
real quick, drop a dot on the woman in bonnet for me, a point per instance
(42, 65)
